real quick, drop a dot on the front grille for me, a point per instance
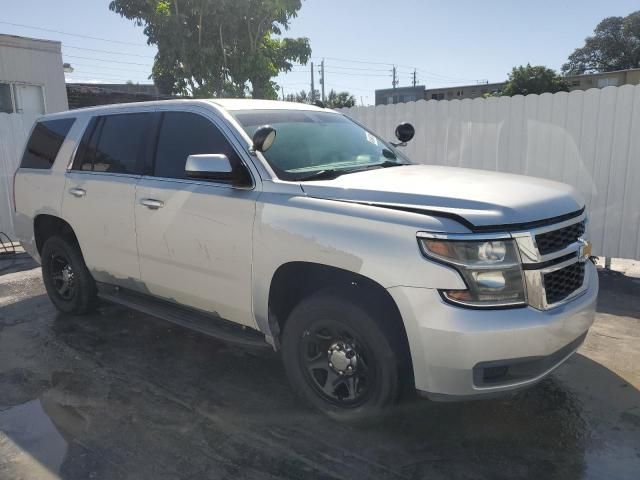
(558, 239)
(562, 283)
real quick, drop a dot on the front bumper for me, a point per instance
(452, 346)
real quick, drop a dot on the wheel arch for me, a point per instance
(46, 226)
(296, 280)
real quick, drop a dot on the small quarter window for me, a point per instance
(45, 142)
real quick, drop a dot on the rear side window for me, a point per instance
(183, 134)
(115, 144)
(45, 142)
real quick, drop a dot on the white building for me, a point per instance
(31, 84)
(31, 76)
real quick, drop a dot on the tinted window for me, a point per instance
(121, 143)
(45, 142)
(87, 149)
(183, 134)
(114, 143)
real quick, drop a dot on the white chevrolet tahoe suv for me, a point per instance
(289, 225)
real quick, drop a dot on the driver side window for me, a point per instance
(183, 134)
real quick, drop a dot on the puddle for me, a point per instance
(30, 443)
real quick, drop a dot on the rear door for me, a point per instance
(194, 236)
(100, 194)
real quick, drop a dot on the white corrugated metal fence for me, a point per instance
(589, 139)
(13, 134)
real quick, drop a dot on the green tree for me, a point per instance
(615, 45)
(214, 48)
(524, 80)
(301, 97)
(333, 100)
(340, 100)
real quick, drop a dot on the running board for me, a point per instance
(199, 321)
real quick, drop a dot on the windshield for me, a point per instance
(310, 142)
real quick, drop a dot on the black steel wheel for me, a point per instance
(339, 356)
(337, 363)
(69, 284)
(62, 275)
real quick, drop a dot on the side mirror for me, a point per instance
(209, 167)
(405, 132)
(263, 138)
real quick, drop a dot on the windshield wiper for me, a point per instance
(331, 173)
(327, 174)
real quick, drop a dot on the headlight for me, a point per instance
(490, 269)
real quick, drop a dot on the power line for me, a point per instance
(103, 74)
(109, 67)
(359, 74)
(108, 61)
(106, 79)
(340, 67)
(352, 60)
(106, 51)
(72, 34)
(423, 72)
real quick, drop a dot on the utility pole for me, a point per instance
(394, 82)
(282, 94)
(415, 77)
(322, 78)
(312, 94)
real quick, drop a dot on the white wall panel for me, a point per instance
(13, 133)
(589, 139)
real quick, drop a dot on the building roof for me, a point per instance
(16, 41)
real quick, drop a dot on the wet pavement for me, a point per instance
(121, 395)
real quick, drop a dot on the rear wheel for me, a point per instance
(69, 284)
(339, 358)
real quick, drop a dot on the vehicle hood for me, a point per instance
(480, 199)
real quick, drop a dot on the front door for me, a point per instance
(194, 237)
(99, 195)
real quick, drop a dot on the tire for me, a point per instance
(322, 336)
(69, 284)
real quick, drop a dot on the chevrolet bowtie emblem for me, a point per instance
(585, 249)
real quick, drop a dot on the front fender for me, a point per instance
(377, 243)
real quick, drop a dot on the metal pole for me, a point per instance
(322, 78)
(312, 95)
(394, 82)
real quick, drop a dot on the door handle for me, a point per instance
(151, 203)
(77, 192)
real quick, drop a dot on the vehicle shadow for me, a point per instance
(133, 396)
(16, 262)
(619, 294)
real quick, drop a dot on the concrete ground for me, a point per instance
(121, 395)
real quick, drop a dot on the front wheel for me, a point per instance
(338, 358)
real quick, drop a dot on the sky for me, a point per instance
(446, 43)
